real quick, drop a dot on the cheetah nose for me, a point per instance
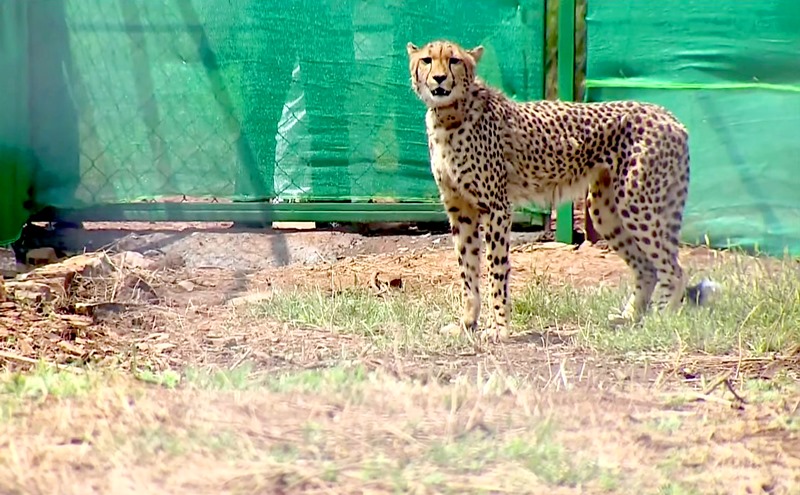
(440, 78)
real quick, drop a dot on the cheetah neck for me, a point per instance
(449, 117)
(459, 111)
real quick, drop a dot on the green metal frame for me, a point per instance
(566, 92)
(268, 212)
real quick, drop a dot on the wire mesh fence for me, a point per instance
(308, 101)
(237, 100)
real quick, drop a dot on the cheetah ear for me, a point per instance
(411, 48)
(476, 53)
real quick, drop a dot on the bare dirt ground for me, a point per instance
(174, 302)
(173, 307)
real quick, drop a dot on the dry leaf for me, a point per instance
(77, 320)
(25, 347)
(71, 348)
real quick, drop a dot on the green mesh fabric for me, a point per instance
(729, 70)
(16, 171)
(238, 99)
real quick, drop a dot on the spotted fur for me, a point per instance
(488, 153)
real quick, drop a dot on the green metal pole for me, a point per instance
(566, 85)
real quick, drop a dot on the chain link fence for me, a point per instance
(235, 100)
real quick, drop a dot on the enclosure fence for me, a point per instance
(730, 70)
(253, 110)
(301, 110)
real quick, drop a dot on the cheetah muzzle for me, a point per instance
(489, 153)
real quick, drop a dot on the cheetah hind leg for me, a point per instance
(628, 315)
(644, 280)
(670, 287)
(608, 223)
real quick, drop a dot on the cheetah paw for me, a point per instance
(452, 329)
(458, 328)
(620, 318)
(617, 320)
(494, 335)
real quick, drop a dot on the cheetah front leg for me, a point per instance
(498, 241)
(464, 225)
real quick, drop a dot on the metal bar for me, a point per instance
(266, 212)
(566, 92)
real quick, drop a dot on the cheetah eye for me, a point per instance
(455, 61)
(426, 60)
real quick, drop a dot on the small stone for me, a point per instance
(554, 245)
(171, 261)
(249, 299)
(41, 256)
(132, 260)
(88, 265)
(186, 285)
(30, 292)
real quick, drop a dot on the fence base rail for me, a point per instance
(268, 212)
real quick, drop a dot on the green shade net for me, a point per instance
(16, 172)
(731, 72)
(240, 99)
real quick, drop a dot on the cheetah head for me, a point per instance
(442, 71)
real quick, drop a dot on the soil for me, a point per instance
(177, 304)
(173, 308)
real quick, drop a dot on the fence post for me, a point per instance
(566, 92)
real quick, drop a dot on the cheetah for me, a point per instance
(489, 153)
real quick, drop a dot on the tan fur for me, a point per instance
(488, 153)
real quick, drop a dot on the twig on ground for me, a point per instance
(23, 359)
(718, 400)
(729, 386)
(16, 357)
(241, 359)
(716, 382)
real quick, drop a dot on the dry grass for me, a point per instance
(348, 430)
(349, 388)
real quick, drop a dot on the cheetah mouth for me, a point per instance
(440, 91)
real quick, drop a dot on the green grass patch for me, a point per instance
(47, 381)
(399, 321)
(238, 378)
(337, 379)
(156, 440)
(676, 488)
(757, 312)
(760, 390)
(41, 383)
(668, 424)
(166, 378)
(343, 429)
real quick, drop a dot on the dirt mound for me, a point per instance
(66, 312)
